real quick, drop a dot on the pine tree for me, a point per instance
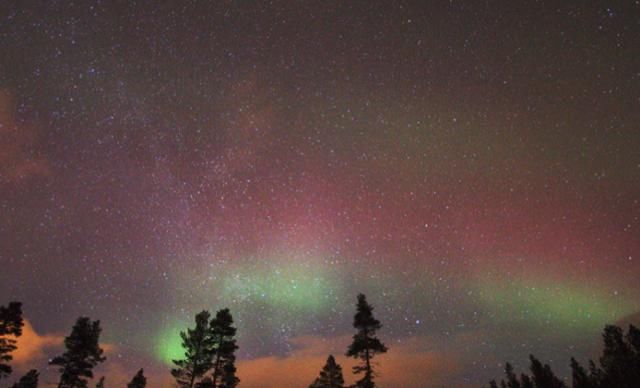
(620, 361)
(543, 376)
(633, 337)
(138, 381)
(10, 328)
(596, 375)
(82, 354)
(526, 381)
(30, 380)
(224, 345)
(229, 378)
(512, 379)
(198, 346)
(365, 344)
(330, 376)
(580, 378)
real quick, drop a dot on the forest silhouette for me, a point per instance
(209, 356)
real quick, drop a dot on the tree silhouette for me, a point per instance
(619, 366)
(100, 383)
(330, 375)
(10, 328)
(198, 346)
(82, 354)
(619, 361)
(229, 379)
(365, 344)
(30, 380)
(138, 381)
(525, 381)
(579, 376)
(224, 346)
(543, 376)
(512, 379)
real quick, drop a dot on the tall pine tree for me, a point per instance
(365, 344)
(330, 375)
(224, 345)
(82, 354)
(138, 381)
(198, 346)
(10, 328)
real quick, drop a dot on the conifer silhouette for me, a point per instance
(512, 379)
(619, 361)
(10, 327)
(82, 354)
(138, 381)
(30, 380)
(224, 345)
(330, 375)
(229, 378)
(365, 344)
(198, 346)
(543, 376)
(100, 383)
(619, 366)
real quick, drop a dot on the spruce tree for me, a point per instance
(30, 380)
(526, 381)
(596, 375)
(138, 381)
(10, 328)
(512, 379)
(365, 344)
(579, 376)
(330, 375)
(229, 378)
(198, 346)
(224, 345)
(543, 376)
(82, 354)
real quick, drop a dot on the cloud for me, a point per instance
(407, 364)
(32, 346)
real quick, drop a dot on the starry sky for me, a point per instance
(473, 167)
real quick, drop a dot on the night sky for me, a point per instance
(473, 167)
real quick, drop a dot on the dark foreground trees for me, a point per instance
(330, 375)
(619, 366)
(10, 328)
(365, 344)
(82, 354)
(210, 346)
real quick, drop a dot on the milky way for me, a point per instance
(473, 168)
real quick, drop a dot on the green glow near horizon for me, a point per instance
(168, 344)
(566, 306)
